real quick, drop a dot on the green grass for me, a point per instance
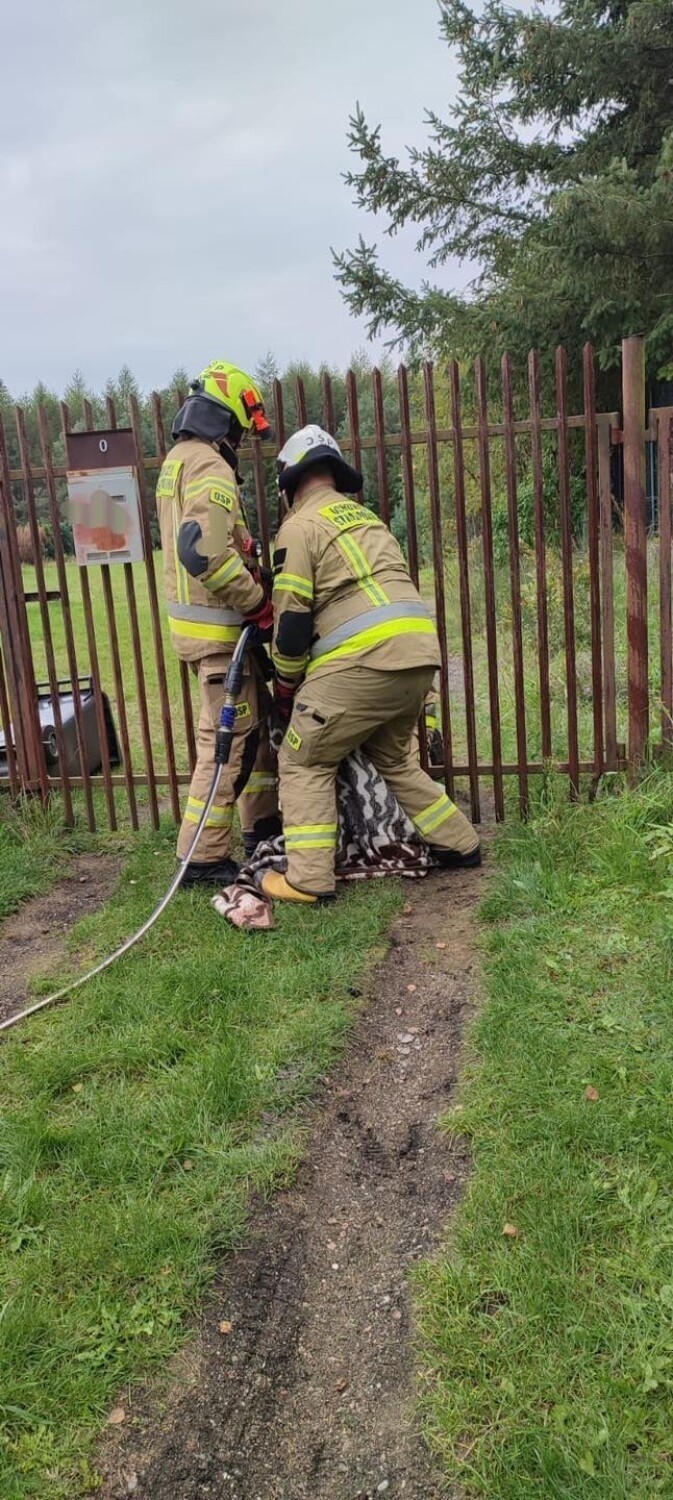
(136, 1120)
(35, 850)
(548, 1356)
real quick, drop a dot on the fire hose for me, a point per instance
(223, 743)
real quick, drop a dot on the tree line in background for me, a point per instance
(122, 390)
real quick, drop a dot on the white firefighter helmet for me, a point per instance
(313, 447)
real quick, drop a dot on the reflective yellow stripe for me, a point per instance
(261, 781)
(290, 666)
(311, 836)
(218, 817)
(311, 828)
(315, 842)
(361, 566)
(190, 632)
(208, 483)
(295, 584)
(373, 637)
(226, 573)
(181, 578)
(438, 812)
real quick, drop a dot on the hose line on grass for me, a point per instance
(222, 752)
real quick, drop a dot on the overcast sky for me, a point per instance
(170, 176)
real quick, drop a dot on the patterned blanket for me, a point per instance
(375, 838)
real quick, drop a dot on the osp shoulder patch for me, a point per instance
(347, 514)
(243, 710)
(224, 497)
(293, 739)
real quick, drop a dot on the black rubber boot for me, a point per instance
(211, 872)
(264, 830)
(450, 859)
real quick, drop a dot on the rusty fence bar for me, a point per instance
(410, 515)
(607, 593)
(381, 455)
(354, 423)
(567, 566)
(438, 568)
(18, 653)
(635, 536)
(463, 551)
(300, 401)
(489, 587)
(515, 582)
(328, 417)
(540, 554)
(593, 525)
(45, 618)
(664, 420)
(6, 726)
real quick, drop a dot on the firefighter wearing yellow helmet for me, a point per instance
(355, 652)
(213, 586)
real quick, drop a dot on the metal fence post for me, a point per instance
(635, 536)
(16, 648)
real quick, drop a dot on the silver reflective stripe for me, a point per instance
(202, 615)
(368, 621)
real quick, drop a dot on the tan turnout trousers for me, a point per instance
(333, 715)
(248, 780)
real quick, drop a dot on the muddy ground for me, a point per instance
(34, 940)
(311, 1392)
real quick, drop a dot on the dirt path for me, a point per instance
(311, 1396)
(34, 940)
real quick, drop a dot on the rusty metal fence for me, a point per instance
(544, 641)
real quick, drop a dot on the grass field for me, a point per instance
(548, 1319)
(135, 1123)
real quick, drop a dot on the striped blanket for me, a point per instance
(375, 838)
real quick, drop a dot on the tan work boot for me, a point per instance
(278, 887)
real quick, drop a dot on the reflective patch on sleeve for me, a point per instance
(347, 514)
(189, 536)
(167, 482)
(294, 634)
(293, 739)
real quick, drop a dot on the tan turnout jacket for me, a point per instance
(342, 595)
(203, 530)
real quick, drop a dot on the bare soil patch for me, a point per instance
(34, 939)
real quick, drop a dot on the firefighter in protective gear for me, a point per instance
(355, 653)
(213, 586)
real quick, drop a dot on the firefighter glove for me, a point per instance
(262, 617)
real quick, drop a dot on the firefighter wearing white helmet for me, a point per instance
(213, 585)
(355, 653)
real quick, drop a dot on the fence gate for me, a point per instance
(525, 530)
